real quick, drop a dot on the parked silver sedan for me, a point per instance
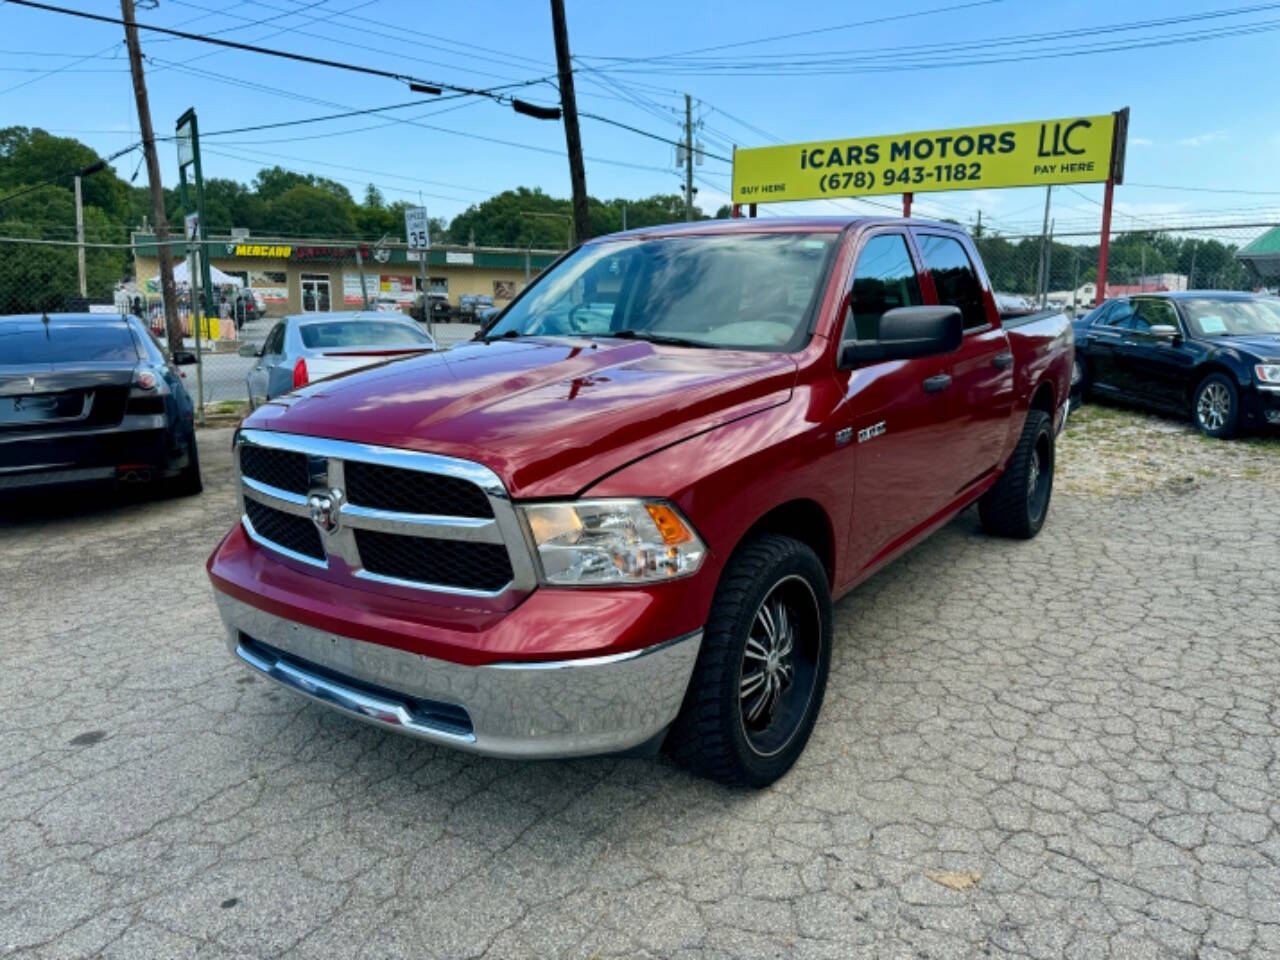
(312, 346)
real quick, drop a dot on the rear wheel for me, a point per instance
(1215, 407)
(188, 483)
(1017, 505)
(762, 671)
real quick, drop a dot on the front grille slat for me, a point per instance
(292, 532)
(283, 469)
(413, 491)
(446, 563)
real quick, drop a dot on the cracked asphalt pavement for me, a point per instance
(1066, 747)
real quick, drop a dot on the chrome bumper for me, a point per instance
(560, 708)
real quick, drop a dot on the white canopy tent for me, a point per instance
(182, 274)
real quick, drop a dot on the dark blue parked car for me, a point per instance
(89, 397)
(1212, 355)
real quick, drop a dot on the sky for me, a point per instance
(1204, 115)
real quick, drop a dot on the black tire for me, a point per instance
(1016, 506)
(1215, 407)
(189, 483)
(1079, 380)
(713, 735)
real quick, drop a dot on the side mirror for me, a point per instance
(250, 350)
(907, 332)
(183, 358)
(1164, 331)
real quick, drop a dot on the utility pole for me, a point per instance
(1044, 238)
(1191, 277)
(569, 108)
(977, 230)
(84, 287)
(172, 326)
(1048, 268)
(688, 158)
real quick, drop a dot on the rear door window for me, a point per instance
(66, 341)
(954, 277)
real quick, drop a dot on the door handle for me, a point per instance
(938, 383)
(1003, 360)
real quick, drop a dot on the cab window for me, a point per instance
(884, 278)
(954, 277)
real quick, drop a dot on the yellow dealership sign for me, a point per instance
(1070, 150)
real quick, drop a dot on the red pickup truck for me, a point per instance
(619, 518)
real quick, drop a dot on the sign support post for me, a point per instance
(906, 203)
(1104, 247)
(1115, 175)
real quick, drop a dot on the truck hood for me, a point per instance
(549, 415)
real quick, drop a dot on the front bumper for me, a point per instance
(560, 708)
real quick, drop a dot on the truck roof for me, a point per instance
(770, 225)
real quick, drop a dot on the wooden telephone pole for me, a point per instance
(572, 139)
(172, 326)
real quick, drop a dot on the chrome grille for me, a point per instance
(284, 469)
(412, 491)
(403, 518)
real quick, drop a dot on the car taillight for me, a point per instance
(145, 379)
(300, 373)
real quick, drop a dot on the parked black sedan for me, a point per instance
(90, 397)
(1212, 355)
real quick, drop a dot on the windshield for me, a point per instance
(1231, 318)
(359, 333)
(750, 292)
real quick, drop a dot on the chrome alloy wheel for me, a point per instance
(779, 665)
(1213, 407)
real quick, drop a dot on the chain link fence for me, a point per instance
(43, 275)
(38, 275)
(1062, 270)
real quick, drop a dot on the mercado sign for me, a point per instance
(268, 250)
(1070, 150)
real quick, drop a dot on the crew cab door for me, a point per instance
(980, 397)
(891, 421)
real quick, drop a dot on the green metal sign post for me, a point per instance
(188, 139)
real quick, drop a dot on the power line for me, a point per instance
(428, 86)
(892, 59)
(806, 33)
(84, 171)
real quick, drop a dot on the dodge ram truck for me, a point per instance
(618, 519)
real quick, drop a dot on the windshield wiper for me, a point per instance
(648, 337)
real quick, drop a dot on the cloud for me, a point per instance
(1140, 142)
(1202, 139)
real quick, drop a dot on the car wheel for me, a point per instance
(758, 685)
(188, 483)
(1215, 407)
(1079, 380)
(1017, 505)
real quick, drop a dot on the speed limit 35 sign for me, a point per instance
(415, 228)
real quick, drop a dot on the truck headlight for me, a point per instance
(612, 541)
(1268, 372)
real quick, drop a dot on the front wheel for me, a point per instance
(1216, 407)
(761, 674)
(1017, 505)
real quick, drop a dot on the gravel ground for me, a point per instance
(1066, 747)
